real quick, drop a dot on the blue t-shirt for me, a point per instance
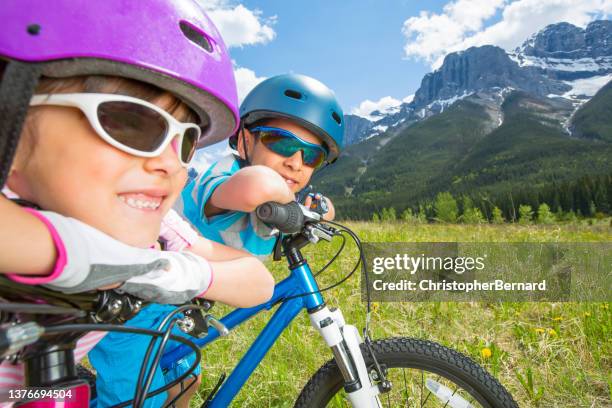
(118, 357)
(233, 228)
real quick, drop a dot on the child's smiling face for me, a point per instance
(67, 168)
(292, 169)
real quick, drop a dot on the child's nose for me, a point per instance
(168, 161)
(295, 161)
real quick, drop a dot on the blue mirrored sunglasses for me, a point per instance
(286, 144)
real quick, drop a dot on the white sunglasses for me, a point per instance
(130, 124)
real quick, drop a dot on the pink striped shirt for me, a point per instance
(11, 375)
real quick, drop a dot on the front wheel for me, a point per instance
(423, 374)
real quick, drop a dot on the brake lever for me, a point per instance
(278, 248)
(309, 215)
(314, 233)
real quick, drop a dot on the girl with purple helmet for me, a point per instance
(110, 100)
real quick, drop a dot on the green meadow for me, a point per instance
(546, 354)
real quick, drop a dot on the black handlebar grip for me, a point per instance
(288, 218)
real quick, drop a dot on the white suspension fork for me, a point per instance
(344, 340)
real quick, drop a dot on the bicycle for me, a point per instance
(362, 372)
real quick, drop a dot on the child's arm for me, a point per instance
(214, 251)
(27, 246)
(239, 279)
(243, 282)
(82, 259)
(248, 188)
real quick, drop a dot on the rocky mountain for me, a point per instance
(493, 125)
(566, 41)
(561, 61)
(357, 128)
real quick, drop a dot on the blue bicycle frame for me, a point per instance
(299, 281)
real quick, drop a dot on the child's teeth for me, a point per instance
(139, 203)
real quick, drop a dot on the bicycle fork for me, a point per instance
(344, 340)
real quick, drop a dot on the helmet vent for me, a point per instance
(33, 29)
(337, 118)
(293, 94)
(196, 36)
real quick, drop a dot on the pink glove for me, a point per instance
(177, 233)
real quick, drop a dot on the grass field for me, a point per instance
(545, 354)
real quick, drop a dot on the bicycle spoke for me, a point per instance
(422, 385)
(445, 405)
(405, 386)
(408, 381)
(429, 393)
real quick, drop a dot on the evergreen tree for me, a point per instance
(407, 215)
(471, 214)
(446, 207)
(545, 216)
(497, 217)
(525, 214)
(388, 214)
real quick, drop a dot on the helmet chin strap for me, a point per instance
(16, 90)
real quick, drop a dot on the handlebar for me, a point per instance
(287, 218)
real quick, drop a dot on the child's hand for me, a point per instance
(320, 204)
(178, 278)
(331, 212)
(177, 233)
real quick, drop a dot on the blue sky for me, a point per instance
(374, 53)
(376, 49)
(355, 47)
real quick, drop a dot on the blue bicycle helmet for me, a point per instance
(301, 99)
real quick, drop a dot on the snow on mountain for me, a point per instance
(562, 62)
(586, 87)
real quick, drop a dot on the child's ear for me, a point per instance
(245, 137)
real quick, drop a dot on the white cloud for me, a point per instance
(239, 25)
(207, 156)
(246, 80)
(386, 104)
(430, 37)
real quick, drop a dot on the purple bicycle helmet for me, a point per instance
(171, 44)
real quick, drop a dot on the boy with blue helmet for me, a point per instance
(291, 125)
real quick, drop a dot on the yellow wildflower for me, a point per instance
(539, 330)
(552, 332)
(486, 352)
(557, 319)
(587, 314)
